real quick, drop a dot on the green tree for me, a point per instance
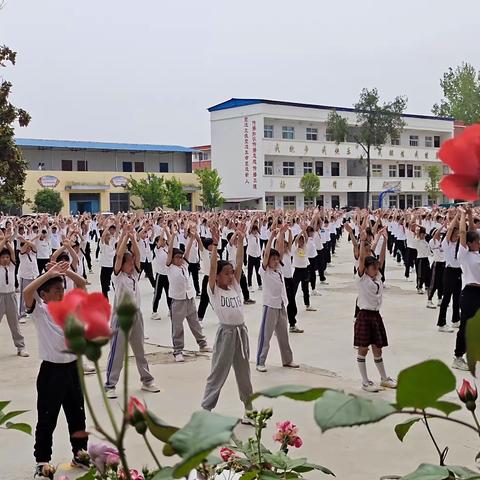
(461, 89)
(175, 195)
(431, 187)
(310, 184)
(47, 201)
(210, 182)
(375, 124)
(12, 165)
(151, 191)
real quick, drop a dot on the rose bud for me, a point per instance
(468, 395)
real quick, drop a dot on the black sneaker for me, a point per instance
(249, 302)
(82, 460)
(44, 471)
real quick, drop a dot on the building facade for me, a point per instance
(262, 148)
(92, 176)
(202, 157)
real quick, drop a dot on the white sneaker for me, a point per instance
(111, 393)
(22, 320)
(460, 364)
(420, 291)
(206, 349)
(260, 288)
(150, 388)
(370, 387)
(251, 289)
(409, 280)
(385, 286)
(310, 309)
(156, 316)
(261, 368)
(430, 304)
(23, 353)
(316, 293)
(292, 365)
(388, 383)
(445, 329)
(456, 324)
(324, 282)
(88, 368)
(179, 358)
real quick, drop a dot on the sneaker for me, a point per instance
(456, 324)
(145, 336)
(439, 302)
(88, 368)
(385, 286)
(310, 309)
(420, 291)
(199, 295)
(388, 383)
(316, 293)
(44, 470)
(370, 387)
(206, 349)
(23, 353)
(324, 282)
(81, 460)
(179, 358)
(292, 365)
(152, 388)
(249, 302)
(295, 330)
(430, 304)
(445, 329)
(261, 368)
(460, 364)
(22, 320)
(111, 393)
(251, 289)
(260, 288)
(156, 316)
(410, 280)
(90, 272)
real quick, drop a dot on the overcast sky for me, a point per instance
(147, 70)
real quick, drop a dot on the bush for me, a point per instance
(47, 201)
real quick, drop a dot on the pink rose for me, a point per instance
(297, 442)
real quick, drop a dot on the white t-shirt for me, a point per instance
(159, 263)
(470, 263)
(370, 292)
(55, 240)
(146, 254)
(7, 278)
(193, 256)
(180, 282)
(107, 253)
(274, 293)
(437, 250)
(228, 304)
(205, 256)
(28, 267)
(449, 249)
(44, 249)
(253, 247)
(126, 285)
(311, 248)
(232, 255)
(287, 269)
(423, 250)
(300, 258)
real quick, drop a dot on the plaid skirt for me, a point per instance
(369, 330)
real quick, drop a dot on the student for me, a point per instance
(369, 329)
(58, 383)
(43, 249)
(206, 249)
(254, 254)
(107, 254)
(311, 251)
(438, 267)
(27, 272)
(422, 263)
(161, 274)
(146, 257)
(125, 282)
(411, 251)
(469, 258)
(182, 293)
(274, 319)
(8, 298)
(231, 346)
(301, 273)
(193, 258)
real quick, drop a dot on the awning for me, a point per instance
(241, 199)
(87, 187)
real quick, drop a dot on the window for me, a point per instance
(312, 134)
(428, 142)
(139, 167)
(401, 170)
(417, 171)
(395, 141)
(414, 140)
(119, 202)
(409, 170)
(417, 201)
(375, 201)
(329, 137)
(335, 201)
(307, 167)
(269, 202)
(308, 203)
(392, 201)
(67, 165)
(82, 165)
(289, 168)
(203, 156)
(377, 170)
(268, 131)
(436, 141)
(289, 202)
(127, 167)
(320, 201)
(335, 169)
(268, 167)
(392, 171)
(319, 169)
(163, 167)
(288, 133)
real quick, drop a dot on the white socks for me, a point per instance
(380, 367)
(362, 366)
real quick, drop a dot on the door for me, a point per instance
(401, 202)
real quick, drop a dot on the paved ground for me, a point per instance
(327, 357)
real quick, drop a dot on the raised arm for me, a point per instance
(463, 229)
(452, 226)
(268, 247)
(239, 259)
(122, 248)
(362, 253)
(212, 275)
(135, 250)
(383, 233)
(77, 279)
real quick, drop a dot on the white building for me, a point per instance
(262, 148)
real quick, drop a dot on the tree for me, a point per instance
(375, 124)
(175, 196)
(431, 187)
(151, 191)
(210, 182)
(310, 184)
(47, 201)
(461, 89)
(12, 165)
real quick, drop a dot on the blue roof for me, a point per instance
(241, 102)
(79, 145)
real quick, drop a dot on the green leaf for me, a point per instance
(402, 428)
(446, 407)
(9, 415)
(295, 392)
(463, 473)
(278, 460)
(168, 450)
(308, 467)
(338, 409)
(3, 404)
(204, 432)
(421, 385)
(428, 472)
(21, 427)
(266, 475)
(164, 474)
(472, 335)
(250, 475)
(90, 475)
(158, 428)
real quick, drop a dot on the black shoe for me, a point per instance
(249, 302)
(82, 460)
(44, 471)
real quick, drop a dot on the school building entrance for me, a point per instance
(84, 202)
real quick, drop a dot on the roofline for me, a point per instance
(84, 145)
(241, 102)
(202, 147)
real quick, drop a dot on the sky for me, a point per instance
(145, 71)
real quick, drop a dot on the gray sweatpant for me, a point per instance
(231, 348)
(117, 352)
(274, 320)
(181, 310)
(8, 307)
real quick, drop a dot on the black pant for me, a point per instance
(452, 286)
(224, 246)
(410, 257)
(147, 268)
(400, 248)
(58, 385)
(292, 304)
(263, 243)
(422, 267)
(390, 240)
(204, 300)
(161, 283)
(328, 255)
(253, 262)
(312, 272)
(244, 287)
(436, 281)
(88, 255)
(194, 269)
(105, 279)
(321, 264)
(301, 275)
(469, 304)
(333, 242)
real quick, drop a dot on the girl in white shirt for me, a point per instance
(146, 256)
(107, 254)
(161, 274)
(438, 267)
(44, 250)
(301, 273)
(369, 329)
(27, 272)
(254, 253)
(422, 263)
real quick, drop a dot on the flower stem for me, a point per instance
(150, 449)
(441, 417)
(105, 399)
(476, 421)
(440, 454)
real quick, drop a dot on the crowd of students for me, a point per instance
(213, 257)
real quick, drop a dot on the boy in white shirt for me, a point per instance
(27, 271)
